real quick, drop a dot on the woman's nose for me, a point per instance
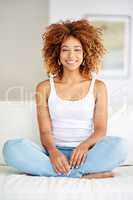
(71, 53)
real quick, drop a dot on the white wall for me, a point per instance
(120, 90)
(21, 25)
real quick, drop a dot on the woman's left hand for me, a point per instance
(79, 155)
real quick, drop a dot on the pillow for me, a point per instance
(17, 120)
(120, 124)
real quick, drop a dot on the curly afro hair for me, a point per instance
(90, 38)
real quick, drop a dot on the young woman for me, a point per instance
(71, 110)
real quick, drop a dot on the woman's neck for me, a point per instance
(72, 77)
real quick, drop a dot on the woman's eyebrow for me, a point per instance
(71, 46)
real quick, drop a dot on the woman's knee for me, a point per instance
(13, 145)
(118, 144)
(122, 147)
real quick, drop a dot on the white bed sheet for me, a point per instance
(19, 186)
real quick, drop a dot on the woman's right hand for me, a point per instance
(59, 162)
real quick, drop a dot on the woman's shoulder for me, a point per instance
(43, 85)
(100, 85)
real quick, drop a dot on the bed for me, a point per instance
(19, 186)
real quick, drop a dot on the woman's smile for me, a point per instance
(71, 62)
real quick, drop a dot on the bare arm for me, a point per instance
(43, 116)
(100, 113)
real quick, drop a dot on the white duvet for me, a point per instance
(19, 186)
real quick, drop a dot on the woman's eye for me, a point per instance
(65, 50)
(77, 49)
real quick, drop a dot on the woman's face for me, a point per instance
(71, 53)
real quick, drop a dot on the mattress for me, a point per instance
(19, 186)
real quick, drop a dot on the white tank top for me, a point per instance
(72, 121)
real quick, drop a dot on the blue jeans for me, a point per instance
(26, 156)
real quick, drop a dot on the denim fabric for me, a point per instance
(28, 157)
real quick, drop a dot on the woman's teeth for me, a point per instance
(71, 62)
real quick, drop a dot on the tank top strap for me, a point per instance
(92, 85)
(52, 83)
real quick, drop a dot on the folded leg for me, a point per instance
(107, 154)
(28, 157)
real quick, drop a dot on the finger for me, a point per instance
(79, 160)
(57, 170)
(61, 168)
(83, 159)
(66, 166)
(62, 164)
(75, 159)
(72, 158)
(64, 170)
